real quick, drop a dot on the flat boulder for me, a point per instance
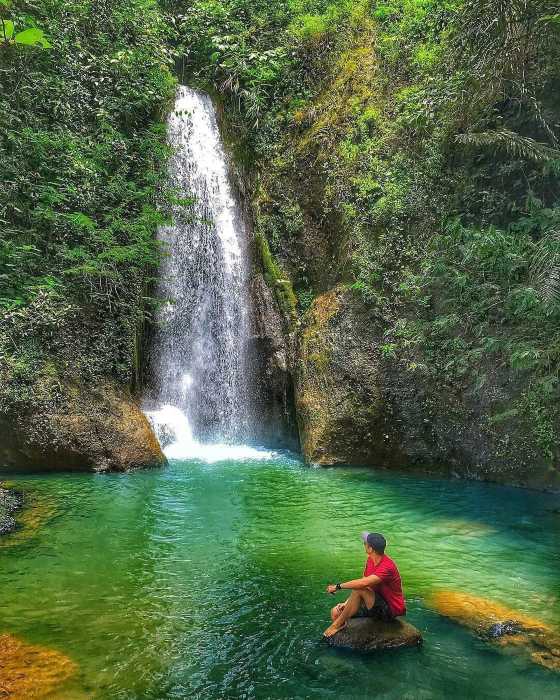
(366, 634)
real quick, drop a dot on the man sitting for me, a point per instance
(377, 594)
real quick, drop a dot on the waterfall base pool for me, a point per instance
(207, 580)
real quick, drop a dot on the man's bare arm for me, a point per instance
(357, 584)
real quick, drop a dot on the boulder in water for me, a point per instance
(366, 634)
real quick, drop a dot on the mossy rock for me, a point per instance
(341, 412)
(93, 429)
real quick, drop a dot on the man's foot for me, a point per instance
(333, 629)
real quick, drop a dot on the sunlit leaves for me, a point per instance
(545, 267)
(27, 37)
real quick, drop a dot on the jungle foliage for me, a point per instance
(420, 136)
(85, 86)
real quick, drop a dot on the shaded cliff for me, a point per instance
(272, 356)
(416, 351)
(355, 407)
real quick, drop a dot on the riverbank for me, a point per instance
(10, 502)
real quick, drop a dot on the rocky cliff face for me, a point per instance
(339, 386)
(91, 429)
(417, 345)
(356, 401)
(354, 406)
(271, 355)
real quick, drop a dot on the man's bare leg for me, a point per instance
(335, 612)
(351, 607)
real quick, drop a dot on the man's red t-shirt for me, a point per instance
(390, 586)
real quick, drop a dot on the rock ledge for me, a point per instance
(365, 634)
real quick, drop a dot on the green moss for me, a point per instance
(276, 279)
(320, 360)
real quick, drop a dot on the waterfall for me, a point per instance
(199, 371)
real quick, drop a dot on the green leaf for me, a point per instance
(32, 37)
(8, 28)
(81, 220)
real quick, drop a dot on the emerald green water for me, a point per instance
(207, 580)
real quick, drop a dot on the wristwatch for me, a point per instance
(338, 586)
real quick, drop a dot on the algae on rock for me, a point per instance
(502, 625)
(29, 671)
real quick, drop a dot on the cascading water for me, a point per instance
(200, 382)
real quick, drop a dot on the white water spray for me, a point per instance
(174, 433)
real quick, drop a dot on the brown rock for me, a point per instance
(100, 429)
(366, 634)
(28, 671)
(502, 625)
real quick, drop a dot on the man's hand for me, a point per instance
(331, 588)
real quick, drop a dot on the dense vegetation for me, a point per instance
(82, 149)
(422, 136)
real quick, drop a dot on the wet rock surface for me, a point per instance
(501, 625)
(10, 502)
(366, 634)
(341, 413)
(28, 671)
(91, 429)
(270, 355)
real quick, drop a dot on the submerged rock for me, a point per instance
(366, 634)
(100, 429)
(36, 512)
(28, 671)
(10, 502)
(499, 629)
(497, 623)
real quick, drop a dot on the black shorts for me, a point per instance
(379, 611)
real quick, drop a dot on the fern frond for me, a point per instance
(512, 142)
(544, 273)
